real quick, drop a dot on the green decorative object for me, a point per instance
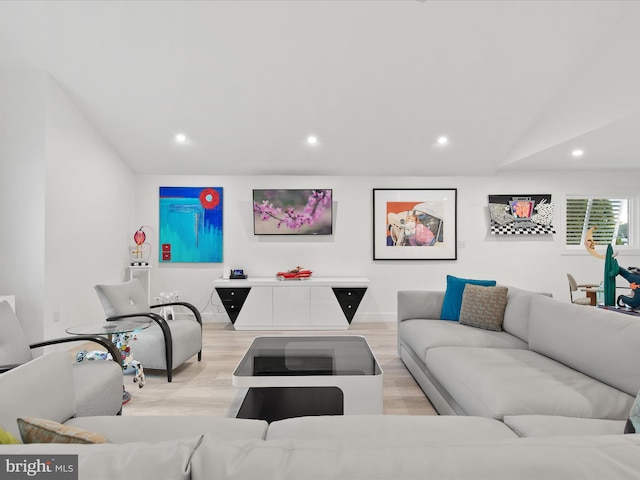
(611, 270)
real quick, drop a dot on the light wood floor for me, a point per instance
(204, 388)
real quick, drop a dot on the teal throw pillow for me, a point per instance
(453, 295)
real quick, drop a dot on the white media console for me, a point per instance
(309, 304)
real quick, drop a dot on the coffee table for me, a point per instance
(291, 376)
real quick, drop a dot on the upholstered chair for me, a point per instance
(166, 344)
(573, 287)
(98, 383)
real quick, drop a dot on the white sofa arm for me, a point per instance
(41, 388)
(419, 304)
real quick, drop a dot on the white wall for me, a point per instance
(69, 208)
(536, 263)
(89, 215)
(22, 194)
(66, 206)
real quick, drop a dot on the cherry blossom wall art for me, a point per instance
(190, 224)
(293, 212)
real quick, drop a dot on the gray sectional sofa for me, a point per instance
(584, 446)
(554, 363)
(368, 447)
(359, 447)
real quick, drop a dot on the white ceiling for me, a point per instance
(516, 85)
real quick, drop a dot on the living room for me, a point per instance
(86, 200)
(77, 182)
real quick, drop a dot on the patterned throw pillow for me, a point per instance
(39, 430)
(483, 307)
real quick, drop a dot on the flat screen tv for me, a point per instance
(293, 212)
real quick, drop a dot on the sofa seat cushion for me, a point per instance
(390, 429)
(187, 341)
(494, 382)
(421, 335)
(139, 428)
(558, 426)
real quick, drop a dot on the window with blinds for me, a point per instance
(608, 215)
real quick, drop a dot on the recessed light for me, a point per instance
(443, 140)
(312, 140)
(181, 138)
(577, 152)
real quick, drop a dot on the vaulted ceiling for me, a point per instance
(514, 85)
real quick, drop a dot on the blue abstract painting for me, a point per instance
(190, 224)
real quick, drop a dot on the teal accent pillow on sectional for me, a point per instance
(453, 295)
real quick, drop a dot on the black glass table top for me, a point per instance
(306, 356)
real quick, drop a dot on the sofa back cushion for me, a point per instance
(139, 460)
(414, 304)
(594, 457)
(389, 429)
(14, 347)
(599, 343)
(123, 298)
(516, 313)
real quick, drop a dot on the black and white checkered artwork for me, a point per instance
(511, 229)
(521, 214)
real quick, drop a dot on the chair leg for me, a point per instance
(168, 344)
(168, 348)
(200, 355)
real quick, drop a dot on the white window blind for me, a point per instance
(609, 215)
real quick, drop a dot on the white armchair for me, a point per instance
(97, 385)
(165, 345)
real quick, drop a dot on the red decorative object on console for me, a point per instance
(297, 273)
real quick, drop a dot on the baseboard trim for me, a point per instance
(359, 317)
